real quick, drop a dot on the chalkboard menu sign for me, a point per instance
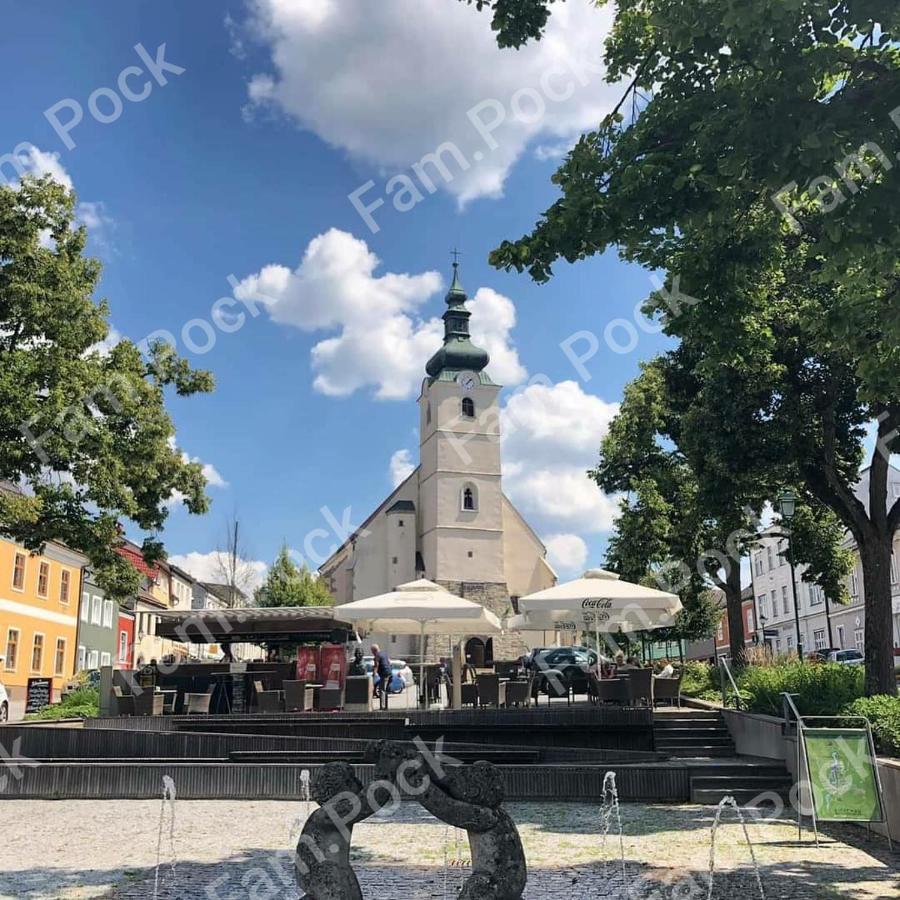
(39, 695)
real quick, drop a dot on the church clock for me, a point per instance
(467, 380)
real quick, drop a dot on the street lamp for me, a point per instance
(787, 506)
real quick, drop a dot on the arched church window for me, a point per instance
(428, 414)
(469, 498)
(468, 407)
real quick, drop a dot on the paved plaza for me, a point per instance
(230, 850)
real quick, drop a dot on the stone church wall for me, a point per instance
(493, 596)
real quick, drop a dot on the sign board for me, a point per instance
(334, 665)
(38, 694)
(843, 781)
(307, 663)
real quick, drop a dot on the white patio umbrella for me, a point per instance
(599, 601)
(422, 607)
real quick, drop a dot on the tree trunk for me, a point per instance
(732, 588)
(875, 553)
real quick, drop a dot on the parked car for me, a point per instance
(4, 701)
(847, 657)
(561, 657)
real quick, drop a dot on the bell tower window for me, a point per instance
(469, 498)
(468, 407)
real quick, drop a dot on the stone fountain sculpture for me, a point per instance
(468, 797)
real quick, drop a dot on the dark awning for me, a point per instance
(283, 624)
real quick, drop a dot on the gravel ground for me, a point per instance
(58, 850)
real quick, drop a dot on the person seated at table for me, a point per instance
(621, 665)
(666, 669)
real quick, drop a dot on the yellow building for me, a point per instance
(39, 595)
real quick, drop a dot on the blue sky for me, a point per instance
(246, 160)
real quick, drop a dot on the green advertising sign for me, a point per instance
(842, 775)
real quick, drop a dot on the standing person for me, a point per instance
(383, 668)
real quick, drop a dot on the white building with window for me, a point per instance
(774, 601)
(449, 520)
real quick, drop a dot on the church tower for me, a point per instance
(461, 501)
(449, 520)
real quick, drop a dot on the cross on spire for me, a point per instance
(456, 255)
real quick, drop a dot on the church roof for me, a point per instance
(458, 353)
(402, 506)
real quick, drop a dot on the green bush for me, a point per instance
(883, 711)
(698, 678)
(79, 704)
(822, 690)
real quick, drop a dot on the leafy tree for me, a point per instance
(288, 584)
(84, 433)
(516, 21)
(684, 523)
(757, 171)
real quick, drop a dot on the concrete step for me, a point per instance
(689, 739)
(737, 770)
(756, 783)
(698, 751)
(678, 732)
(687, 721)
(712, 796)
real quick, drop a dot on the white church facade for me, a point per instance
(449, 520)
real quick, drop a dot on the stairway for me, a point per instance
(691, 733)
(756, 784)
(701, 739)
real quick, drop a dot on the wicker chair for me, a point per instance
(519, 692)
(490, 691)
(640, 687)
(554, 683)
(298, 696)
(469, 694)
(124, 702)
(579, 681)
(198, 704)
(667, 689)
(330, 698)
(609, 690)
(266, 701)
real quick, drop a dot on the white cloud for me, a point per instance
(493, 318)
(105, 346)
(401, 466)
(31, 160)
(567, 553)
(382, 342)
(556, 421)
(210, 567)
(210, 473)
(551, 437)
(392, 82)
